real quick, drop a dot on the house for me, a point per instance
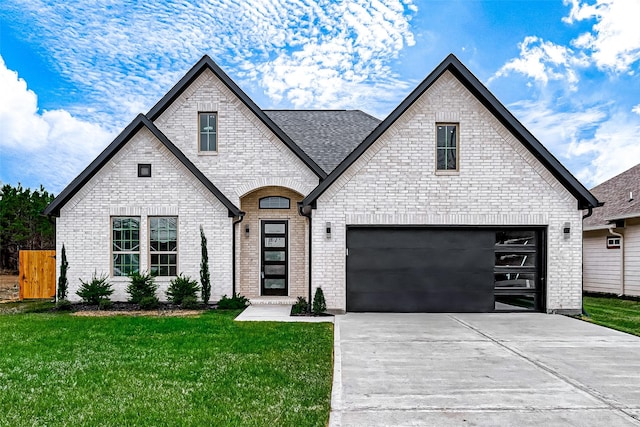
(447, 205)
(611, 247)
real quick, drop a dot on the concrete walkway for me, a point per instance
(507, 369)
(276, 313)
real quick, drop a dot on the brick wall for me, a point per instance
(499, 183)
(84, 226)
(249, 155)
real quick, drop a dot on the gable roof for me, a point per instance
(206, 63)
(138, 123)
(617, 204)
(327, 136)
(453, 65)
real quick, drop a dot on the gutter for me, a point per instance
(621, 258)
(305, 210)
(233, 251)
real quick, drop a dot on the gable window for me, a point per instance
(208, 141)
(125, 247)
(144, 170)
(447, 147)
(163, 246)
(613, 242)
(274, 202)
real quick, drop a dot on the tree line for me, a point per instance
(22, 225)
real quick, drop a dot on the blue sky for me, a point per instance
(73, 74)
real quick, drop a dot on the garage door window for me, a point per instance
(516, 270)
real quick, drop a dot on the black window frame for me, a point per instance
(446, 148)
(142, 168)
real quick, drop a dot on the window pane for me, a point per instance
(441, 159)
(442, 136)
(516, 302)
(274, 256)
(516, 237)
(274, 269)
(274, 228)
(515, 260)
(208, 131)
(451, 133)
(451, 159)
(515, 280)
(274, 242)
(274, 202)
(125, 264)
(274, 283)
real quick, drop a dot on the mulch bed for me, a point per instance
(131, 309)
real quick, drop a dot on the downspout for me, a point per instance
(621, 258)
(233, 250)
(585, 216)
(306, 211)
(588, 214)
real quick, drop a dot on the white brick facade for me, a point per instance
(499, 183)
(84, 226)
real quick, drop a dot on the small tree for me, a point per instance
(62, 280)
(96, 290)
(205, 278)
(319, 304)
(141, 286)
(182, 287)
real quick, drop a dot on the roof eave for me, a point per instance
(207, 63)
(451, 63)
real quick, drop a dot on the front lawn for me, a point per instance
(616, 313)
(58, 369)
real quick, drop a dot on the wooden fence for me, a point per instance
(37, 274)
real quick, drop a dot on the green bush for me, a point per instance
(141, 286)
(182, 287)
(64, 305)
(233, 303)
(300, 307)
(319, 303)
(205, 277)
(95, 290)
(62, 280)
(105, 304)
(149, 303)
(189, 303)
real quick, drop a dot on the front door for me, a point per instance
(275, 256)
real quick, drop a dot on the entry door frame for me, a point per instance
(263, 262)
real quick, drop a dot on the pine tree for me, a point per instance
(205, 278)
(62, 280)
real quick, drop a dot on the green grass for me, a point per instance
(620, 314)
(58, 369)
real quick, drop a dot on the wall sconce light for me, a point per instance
(328, 230)
(566, 230)
(246, 230)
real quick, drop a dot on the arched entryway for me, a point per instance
(272, 244)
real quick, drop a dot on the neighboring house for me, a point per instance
(448, 204)
(611, 247)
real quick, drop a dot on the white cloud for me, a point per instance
(125, 56)
(614, 40)
(593, 144)
(636, 109)
(56, 145)
(544, 61)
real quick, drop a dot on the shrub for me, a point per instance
(141, 286)
(105, 304)
(62, 280)
(205, 278)
(64, 305)
(97, 289)
(300, 307)
(149, 303)
(182, 287)
(189, 302)
(319, 304)
(233, 303)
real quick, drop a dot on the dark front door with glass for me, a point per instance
(274, 280)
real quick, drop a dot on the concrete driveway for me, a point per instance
(483, 370)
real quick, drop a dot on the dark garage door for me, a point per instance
(407, 269)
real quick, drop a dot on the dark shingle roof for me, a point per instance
(615, 195)
(326, 136)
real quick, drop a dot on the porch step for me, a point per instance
(272, 300)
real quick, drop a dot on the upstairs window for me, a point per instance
(447, 147)
(208, 133)
(274, 202)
